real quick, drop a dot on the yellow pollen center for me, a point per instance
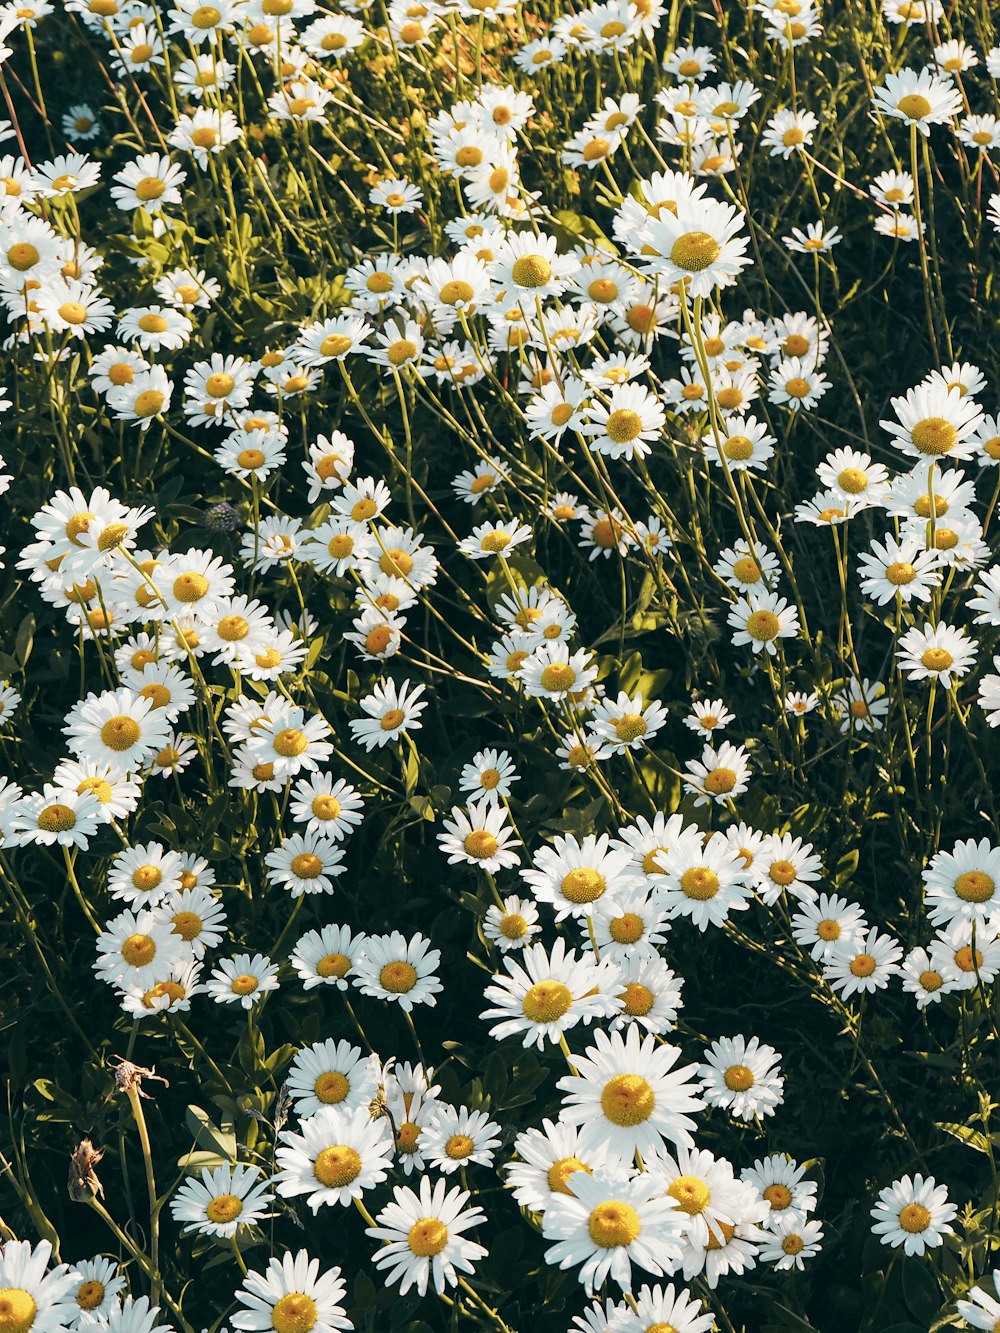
(691, 1194)
(337, 1166)
(17, 1310)
(627, 929)
(694, 251)
(934, 436)
(739, 1078)
(863, 965)
(914, 106)
(828, 930)
(90, 1295)
(778, 1196)
(331, 1088)
(392, 719)
(738, 448)
(700, 883)
(290, 743)
(187, 925)
(583, 885)
(398, 977)
(975, 886)
(559, 1173)
(914, 1218)
(531, 271)
(937, 659)
(294, 1313)
(613, 1224)
(546, 1001)
(627, 1099)
(244, 984)
(138, 950)
(558, 677)
(638, 999)
(427, 1237)
(57, 818)
(459, 1146)
(120, 733)
(623, 426)
(224, 1208)
(763, 626)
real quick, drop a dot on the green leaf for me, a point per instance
(920, 1289)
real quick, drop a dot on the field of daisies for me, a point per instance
(499, 666)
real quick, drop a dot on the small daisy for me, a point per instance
(862, 964)
(338, 1155)
(913, 1214)
(719, 775)
(292, 1296)
(394, 968)
(424, 1237)
(331, 1073)
(489, 777)
(222, 1200)
(305, 863)
(544, 992)
(242, 980)
(936, 652)
(480, 836)
(456, 1137)
(742, 1077)
(511, 924)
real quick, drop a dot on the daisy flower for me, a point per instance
(699, 246)
(511, 924)
(786, 863)
(762, 618)
(392, 711)
(937, 652)
(489, 777)
(790, 1241)
(242, 980)
(742, 1077)
(899, 567)
(922, 979)
(919, 97)
(934, 422)
(222, 1200)
(627, 1097)
(99, 1286)
(36, 1299)
(326, 957)
(546, 992)
(610, 1222)
(962, 885)
(796, 384)
(783, 1184)
(424, 1237)
(494, 539)
(633, 925)
(292, 1296)
(548, 1158)
(144, 875)
(664, 1307)
(57, 815)
(704, 881)
(394, 968)
(628, 723)
(982, 1311)
(338, 1155)
(553, 671)
(821, 924)
(627, 425)
(719, 775)
(708, 716)
(305, 863)
(331, 1073)
(650, 995)
(480, 837)
(861, 706)
(913, 1214)
(134, 947)
(863, 963)
(197, 916)
(328, 807)
(456, 1137)
(573, 875)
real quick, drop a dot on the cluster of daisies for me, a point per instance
(606, 358)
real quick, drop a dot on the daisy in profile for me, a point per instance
(456, 1137)
(423, 1235)
(494, 539)
(391, 967)
(292, 1296)
(862, 964)
(742, 1077)
(543, 993)
(326, 957)
(242, 980)
(222, 1200)
(480, 837)
(937, 652)
(607, 1221)
(913, 1215)
(627, 1097)
(331, 1073)
(338, 1155)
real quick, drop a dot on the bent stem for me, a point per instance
(154, 1212)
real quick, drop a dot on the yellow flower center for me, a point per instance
(480, 845)
(250, 458)
(558, 676)
(560, 1171)
(638, 999)
(975, 886)
(546, 1001)
(700, 883)
(291, 742)
(931, 981)
(190, 587)
(914, 1218)
(763, 626)
(627, 1099)
(331, 1087)
(691, 1194)
(120, 733)
(294, 1313)
(337, 1166)
(694, 251)
(613, 1224)
(934, 436)
(90, 1294)
(863, 965)
(719, 781)
(828, 930)
(224, 1208)
(797, 387)
(531, 271)
(57, 818)
(495, 541)
(513, 926)
(392, 719)
(138, 950)
(914, 106)
(459, 1146)
(398, 977)
(244, 984)
(937, 659)
(148, 403)
(627, 929)
(782, 872)
(583, 885)
(17, 1310)
(778, 1196)
(738, 448)
(427, 1237)
(739, 1078)
(306, 865)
